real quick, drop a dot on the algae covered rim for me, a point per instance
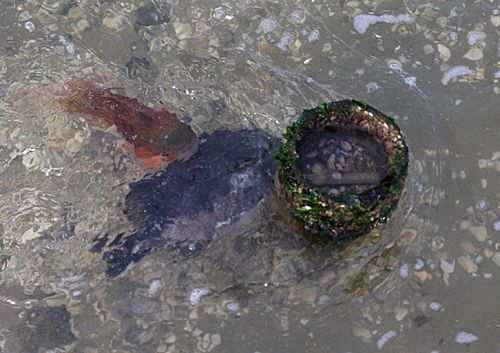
(347, 214)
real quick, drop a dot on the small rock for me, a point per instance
(474, 54)
(197, 295)
(337, 175)
(334, 192)
(331, 161)
(495, 20)
(170, 338)
(151, 14)
(474, 36)
(313, 36)
(420, 320)
(400, 313)
(312, 154)
(183, 30)
(324, 299)
(362, 333)
(317, 168)
(29, 26)
(404, 271)
(304, 321)
(346, 146)
(435, 306)
(444, 52)
(467, 264)
(479, 232)
(114, 22)
(419, 264)
(465, 338)
(428, 49)
(386, 337)
(219, 14)
(496, 225)
(496, 258)
(233, 306)
(209, 342)
(297, 17)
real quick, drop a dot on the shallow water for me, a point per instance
(427, 281)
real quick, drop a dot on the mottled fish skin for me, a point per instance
(180, 208)
(155, 136)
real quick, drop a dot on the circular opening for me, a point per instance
(342, 168)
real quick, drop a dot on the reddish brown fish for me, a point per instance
(156, 137)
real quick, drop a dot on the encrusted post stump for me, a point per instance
(342, 168)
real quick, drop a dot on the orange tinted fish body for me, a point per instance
(156, 137)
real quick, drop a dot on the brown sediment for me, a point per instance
(156, 136)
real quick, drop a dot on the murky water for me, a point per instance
(427, 281)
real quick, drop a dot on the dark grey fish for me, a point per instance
(181, 208)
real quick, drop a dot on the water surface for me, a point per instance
(427, 281)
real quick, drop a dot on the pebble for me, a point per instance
(404, 271)
(346, 146)
(82, 25)
(435, 306)
(233, 306)
(372, 86)
(151, 14)
(313, 36)
(495, 20)
(154, 287)
(112, 22)
(419, 264)
(317, 168)
(482, 205)
(444, 52)
(297, 17)
(363, 21)
(209, 342)
(69, 46)
(267, 25)
(428, 49)
(475, 36)
(386, 337)
(324, 299)
(362, 333)
(400, 313)
(219, 14)
(465, 338)
(474, 54)
(479, 232)
(197, 295)
(454, 72)
(29, 26)
(337, 175)
(467, 264)
(312, 154)
(170, 338)
(183, 30)
(496, 225)
(331, 161)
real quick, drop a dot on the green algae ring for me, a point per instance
(342, 168)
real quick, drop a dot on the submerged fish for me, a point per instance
(182, 207)
(156, 137)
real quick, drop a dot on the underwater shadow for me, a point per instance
(182, 207)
